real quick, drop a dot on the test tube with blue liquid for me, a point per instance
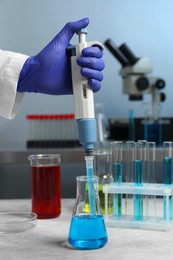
(144, 159)
(145, 174)
(150, 176)
(167, 175)
(138, 181)
(116, 152)
(130, 153)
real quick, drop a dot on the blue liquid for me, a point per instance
(153, 133)
(138, 207)
(165, 208)
(138, 199)
(87, 232)
(167, 174)
(91, 191)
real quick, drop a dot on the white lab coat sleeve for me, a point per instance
(11, 64)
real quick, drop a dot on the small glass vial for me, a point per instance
(87, 231)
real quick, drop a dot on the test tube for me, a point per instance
(138, 180)
(117, 199)
(116, 151)
(151, 178)
(167, 175)
(144, 159)
(145, 175)
(130, 155)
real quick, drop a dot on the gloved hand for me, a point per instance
(49, 71)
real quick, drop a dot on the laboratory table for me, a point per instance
(48, 240)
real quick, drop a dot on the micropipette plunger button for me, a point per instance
(83, 30)
(82, 35)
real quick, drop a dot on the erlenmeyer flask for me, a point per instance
(87, 231)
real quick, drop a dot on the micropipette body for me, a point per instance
(83, 97)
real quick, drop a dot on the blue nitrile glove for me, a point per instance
(49, 71)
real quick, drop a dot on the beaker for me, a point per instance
(46, 193)
(87, 231)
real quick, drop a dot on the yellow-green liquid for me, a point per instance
(102, 200)
(86, 208)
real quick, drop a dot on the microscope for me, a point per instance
(136, 82)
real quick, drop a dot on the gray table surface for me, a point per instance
(48, 240)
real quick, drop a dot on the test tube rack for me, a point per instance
(161, 215)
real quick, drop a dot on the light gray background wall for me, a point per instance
(145, 25)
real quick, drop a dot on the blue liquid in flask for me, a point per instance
(87, 232)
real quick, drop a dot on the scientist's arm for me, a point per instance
(10, 67)
(49, 72)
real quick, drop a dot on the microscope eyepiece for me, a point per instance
(128, 54)
(113, 48)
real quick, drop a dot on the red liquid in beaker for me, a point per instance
(46, 194)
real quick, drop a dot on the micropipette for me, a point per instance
(83, 97)
(84, 110)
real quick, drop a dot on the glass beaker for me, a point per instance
(87, 231)
(46, 193)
